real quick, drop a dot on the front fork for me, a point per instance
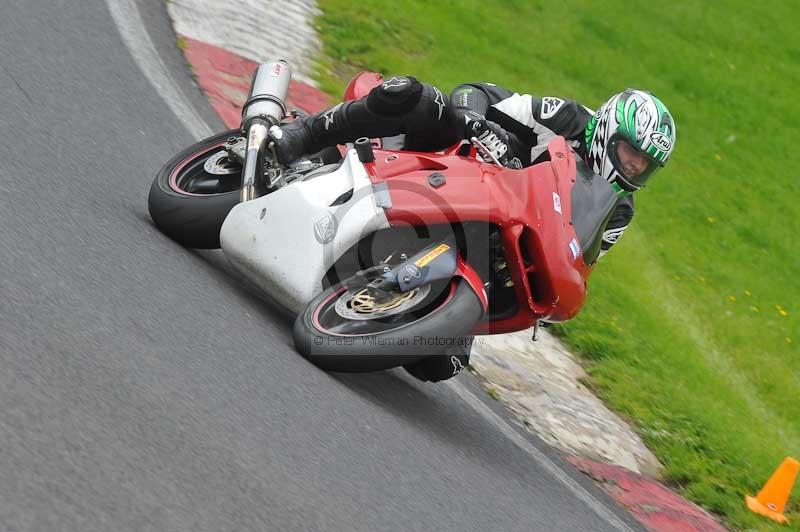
(253, 161)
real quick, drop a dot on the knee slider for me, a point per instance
(395, 96)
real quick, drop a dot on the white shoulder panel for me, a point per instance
(519, 107)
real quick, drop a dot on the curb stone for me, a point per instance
(541, 383)
(225, 79)
(253, 29)
(651, 503)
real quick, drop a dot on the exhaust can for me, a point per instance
(267, 98)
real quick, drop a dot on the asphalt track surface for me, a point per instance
(144, 387)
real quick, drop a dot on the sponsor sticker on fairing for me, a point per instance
(325, 229)
(575, 248)
(428, 257)
(413, 271)
(556, 202)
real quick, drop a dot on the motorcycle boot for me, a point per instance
(400, 105)
(437, 368)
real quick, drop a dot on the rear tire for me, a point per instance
(445, 322)
(188, 204)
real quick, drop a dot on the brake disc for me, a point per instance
(362, 306)
(220, 164)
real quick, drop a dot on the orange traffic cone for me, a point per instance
(772, 498)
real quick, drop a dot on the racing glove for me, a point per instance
(491, 135)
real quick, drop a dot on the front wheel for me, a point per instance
(194, 191)
(349, 332)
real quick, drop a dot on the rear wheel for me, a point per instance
(349, 332)
(194, 191)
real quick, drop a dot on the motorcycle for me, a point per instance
(387, 257)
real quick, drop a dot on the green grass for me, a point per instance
(691, 329)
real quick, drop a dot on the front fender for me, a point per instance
(468, 273)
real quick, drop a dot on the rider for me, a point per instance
(626, 141)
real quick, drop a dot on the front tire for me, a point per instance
(372, 345)
(189, 204)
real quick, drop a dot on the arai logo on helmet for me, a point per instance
(661, 141)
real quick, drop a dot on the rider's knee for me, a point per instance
(396, 96)
(419, 110)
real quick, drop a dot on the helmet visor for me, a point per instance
(634, 166)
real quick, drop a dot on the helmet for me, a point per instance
(638, 118)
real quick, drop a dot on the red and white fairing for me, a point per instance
(287, 240)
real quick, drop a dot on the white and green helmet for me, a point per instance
(643, 121)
